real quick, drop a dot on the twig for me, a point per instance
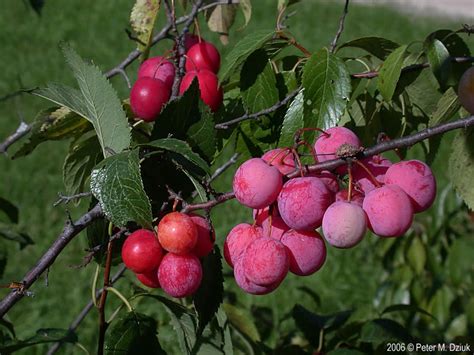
(247, 116)
(341, 27)
(209, 204)
(220, 170)
(103, 299)
(85, 311)
(20, 132)
(222, 2)
(69, 232)
(66, 199)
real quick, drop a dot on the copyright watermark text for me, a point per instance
(421, 348)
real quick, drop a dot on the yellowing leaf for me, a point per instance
(220, 19)
(142, 20)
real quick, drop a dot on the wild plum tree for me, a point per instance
(147, 162)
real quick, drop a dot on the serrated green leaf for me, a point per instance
(448, 105)
(245, 47)
(134, 333)
(439, 59)
(15, 234)
(42, 336)
(142, 20)
(294, 120)
(461, 165)
(64, 96)
(258, 83)
(379, 47)
(416, 255)
(390, 72)
(197, 186)
(327, 87)
(381, 330)
(9, 209)
(53, 124)
(182, 148)
(83, 155)
(202, 135)
(242, 321)
(103, 107)
(209, 296)
(116, 182)
(405, 308)
(183, 321)
(220, 19)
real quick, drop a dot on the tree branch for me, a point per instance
(20, 132)
(66, 199)
(87, 308)
(69, 232)
(103, 299)
(341, 27)
(247, 116)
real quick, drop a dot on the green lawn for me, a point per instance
(30, 57)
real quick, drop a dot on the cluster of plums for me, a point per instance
(383, 198)
(156, 75)
(170, 259)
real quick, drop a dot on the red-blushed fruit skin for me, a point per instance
(328, 178)
(276, 229)
(306, 250)
(356, 197)
(265, 261)
(260, 215)
(159, 68)
(147, 98)
(206, 236)
(141, 251)
(180, 275)
(203, 56)
(389, 211)
(238, 239)
(466, 90)
(177, 233)
(257, 184)
(328, 143)
(281, 159)
(149, 279)
(344, 224)
(211, 93)
(416, 179)
(248, 286)
(302, 202)
(377, 165)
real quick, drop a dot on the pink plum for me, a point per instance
(281, 159)
(238, 239)
(306, 249)
(180, 275)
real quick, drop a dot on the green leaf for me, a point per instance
(440, 304)
(83, 155)
(390, 72)
(182, 148)
(242, 321)
(134, 333)
(53, 124)
(42, 336)
(242, 50)
(327, 86)
(461, 165)
(459, 262)
(439, 59)
(117, 184)
(405, 308)
(202, 135)
(10, 210)
(96, 101)
(246, 7)
(15, 234)
(142, 20)
(377, 46)
(416, 255)
(183, 321)
(448, 106)
(345, 352)
(209, 296)
(258, 83)
(197, 185)
(382, 330)
(293, 121)
(220, 19)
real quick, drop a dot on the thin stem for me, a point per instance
(122, 297)
(349, 188)
(94, 285)
(341, 27)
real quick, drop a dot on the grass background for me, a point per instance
(30, 57)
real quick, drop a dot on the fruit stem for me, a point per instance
(122, 297)
(198, 29)
(285, 150)
(349, 188)
(298, 161)
(94, 285)
(372, 177)
(294, 42)
(311, 148)
(103, 299)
